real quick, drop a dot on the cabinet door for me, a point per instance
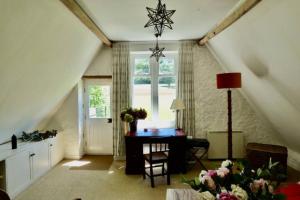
(40, 159)
(56, 150)
(17, 173)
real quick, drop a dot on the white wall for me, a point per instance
(264, 45)
(80, 102)
(69, 122)
(102, 63)
(44, 51)
(211, 104)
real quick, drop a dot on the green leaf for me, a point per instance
(259, 171)
(197, 181)
(271, 165)
(279, 197)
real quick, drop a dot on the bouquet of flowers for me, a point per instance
(132, 114)
(238, 183)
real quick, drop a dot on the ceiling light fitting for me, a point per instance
(159, 18)
(156, 51)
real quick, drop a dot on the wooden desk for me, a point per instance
(134, 149)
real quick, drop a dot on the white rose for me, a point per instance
(222, 172)
(223, 190)
(239, 192)
(206, 196)
(226, 163)
(202, 173)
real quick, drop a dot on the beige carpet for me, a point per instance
(95, 163)
(63, 183)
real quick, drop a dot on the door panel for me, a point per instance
(40, 159)
(17, 173)
(98, 126)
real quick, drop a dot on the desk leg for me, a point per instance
(134, 156)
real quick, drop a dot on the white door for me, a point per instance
(98, 123)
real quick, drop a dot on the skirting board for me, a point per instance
(73, 157)
(122, 158)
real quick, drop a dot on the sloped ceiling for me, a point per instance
(124, 20)
(44, 51)
(264, 45)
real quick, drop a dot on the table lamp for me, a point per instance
(177, 105)
(228, 81)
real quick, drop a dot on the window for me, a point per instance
(154, 88)
(99, 101)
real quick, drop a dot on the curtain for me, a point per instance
(185, 87)
(120, 94)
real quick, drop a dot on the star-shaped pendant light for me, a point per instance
(160, 18)
(156, 51)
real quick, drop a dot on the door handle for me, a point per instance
(33, 154)
(109, 120)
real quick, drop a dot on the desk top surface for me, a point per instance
(163, 132)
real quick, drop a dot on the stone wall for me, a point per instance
(211, 104)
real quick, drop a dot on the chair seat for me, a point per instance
(157, 157)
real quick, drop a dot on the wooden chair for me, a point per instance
(158, 156)
(4, 195)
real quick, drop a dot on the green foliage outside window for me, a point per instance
(168, 81)
(166, 66)
(96, 100)
(142, 80)
(142, 66)
(99, 104)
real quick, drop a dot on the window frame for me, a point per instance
(154, 76)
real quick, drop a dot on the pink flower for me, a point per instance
(227, 196)
(257, 184)
(212, 173)
(206, 179)
(211, 183)
(222, 172)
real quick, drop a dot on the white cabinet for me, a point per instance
(56, 150)
(218, 145)
(29, 162)
(17, 173)
(39, 159)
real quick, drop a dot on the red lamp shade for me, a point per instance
(229, 80)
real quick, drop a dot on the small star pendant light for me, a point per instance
(156, 51)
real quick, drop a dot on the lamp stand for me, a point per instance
(177, 121)
(229, 125)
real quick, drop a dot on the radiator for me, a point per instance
(218, 148)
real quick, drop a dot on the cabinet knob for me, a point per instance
(51, 145)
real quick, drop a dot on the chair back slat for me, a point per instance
(158, 156)
(158, 144)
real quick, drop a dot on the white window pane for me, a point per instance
(166, 95)
(99, 101)
(141, 66)
(142, 94)
(166, 66)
